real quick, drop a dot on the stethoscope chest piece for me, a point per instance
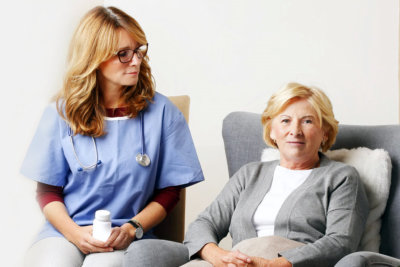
(143, 159)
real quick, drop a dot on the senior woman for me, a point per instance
(301, 210)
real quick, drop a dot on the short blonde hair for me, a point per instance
(318, 100)
(95, 41)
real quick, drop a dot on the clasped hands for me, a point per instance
(238, 259)
(120, 238)
(220, 257)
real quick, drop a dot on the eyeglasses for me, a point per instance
(126, 55)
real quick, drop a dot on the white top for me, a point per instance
(284, 182)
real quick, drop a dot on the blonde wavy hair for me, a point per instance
(95, 40)
(318, 100)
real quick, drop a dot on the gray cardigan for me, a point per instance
(327, 212)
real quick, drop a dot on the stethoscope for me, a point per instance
(141, 158)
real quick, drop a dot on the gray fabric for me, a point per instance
(242, 133)
(106, 259)
(155, 252)
(53, 251)
(367, 259)
(57, 251)
(327, 212)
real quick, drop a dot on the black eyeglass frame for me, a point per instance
(135, 51)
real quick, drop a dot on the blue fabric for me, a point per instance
(119, 184)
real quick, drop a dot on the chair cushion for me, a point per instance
(374, 167)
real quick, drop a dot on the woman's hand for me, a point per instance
(121, 237)
(235, 258)
(277, 262)
(83, 239)
(220, 257)
(81, 236)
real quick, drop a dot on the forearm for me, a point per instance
(220, 257)
(149, 217)
(326, 251)
(209, 252)
(56, 213)
(212, 225)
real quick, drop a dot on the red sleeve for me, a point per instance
(48, 193)
(167, 197)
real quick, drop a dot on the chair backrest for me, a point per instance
(173, 226)
(242, 133)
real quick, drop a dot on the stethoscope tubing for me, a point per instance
(141, 158)
(142, 132)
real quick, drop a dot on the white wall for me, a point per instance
(231, 55)
(34, 43)
(227, 55)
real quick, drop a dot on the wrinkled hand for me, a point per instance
(277, 262)
(233, 259)
(223, 258)
(83, 239)
(120, 238)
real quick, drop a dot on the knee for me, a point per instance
(155, 252)
(137, 249)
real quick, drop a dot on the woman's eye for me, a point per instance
(285, 121)
(308, 121)
(122, 53)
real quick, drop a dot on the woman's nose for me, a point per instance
(135, 60)
(296, 129)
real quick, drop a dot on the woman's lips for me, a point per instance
(132, 72)
(295, 143)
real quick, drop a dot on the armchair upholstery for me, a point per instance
(242, 134)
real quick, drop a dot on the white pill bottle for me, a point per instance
(102, 225)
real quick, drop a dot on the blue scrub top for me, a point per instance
(118, 184)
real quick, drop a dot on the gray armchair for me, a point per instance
(242, 134)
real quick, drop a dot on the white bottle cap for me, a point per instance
(102, 215)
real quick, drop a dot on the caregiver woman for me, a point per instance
(305, 208)
(109, 142)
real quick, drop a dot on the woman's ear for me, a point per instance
(272, 134)
(324, 138)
